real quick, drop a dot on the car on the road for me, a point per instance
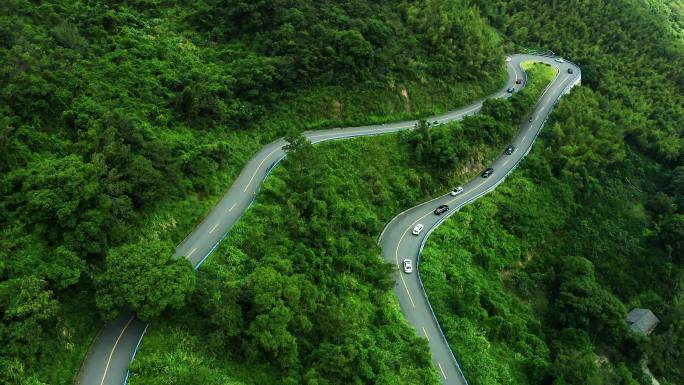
(531, 119)
(508, 59)
(509, 150)
(486, 173)
(456, 191)
(441, 209)
(570, 70)
(559, 60)
(408, 266)
(417, 229)
(510, 90)
(518, 81)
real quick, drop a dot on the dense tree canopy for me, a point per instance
(122, 121)
(125, 120)
(589, 227)
(312, 297)
(143, 276)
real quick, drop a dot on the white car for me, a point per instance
(508, 59)
(408, 266)
(417, 229)
(559, 60)
(456, 191)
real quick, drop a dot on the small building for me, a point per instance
(642, 321)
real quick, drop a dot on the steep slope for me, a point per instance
(122, 123)
(591, 227)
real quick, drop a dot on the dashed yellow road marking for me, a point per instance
(192, 251)
(213, 228)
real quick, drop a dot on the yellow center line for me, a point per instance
(258, 167)
(466, 111)
(392, 128)
(467, 192)
(232, 207)
(368, 130)
(213, 228)
(396, 255)
(423, 217)
(342, 133)
(507, 160)
(114, 348)
(193, 250)
(441, 370)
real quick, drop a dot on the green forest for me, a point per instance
(313, 296)
(122, 123)
(532, 284)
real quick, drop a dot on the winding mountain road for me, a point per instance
(398, 242)
(116, 344)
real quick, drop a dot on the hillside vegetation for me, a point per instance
(312, 297)
(532, 285)
(121, 123)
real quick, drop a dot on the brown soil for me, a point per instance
(337, 105)
(407, 102)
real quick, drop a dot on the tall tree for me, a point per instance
(144, 277)
(28, 310)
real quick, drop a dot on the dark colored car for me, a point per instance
(510, 90)
(441, 209)
(570, 70)
(518, 81)
(486, 173)
(509, 150)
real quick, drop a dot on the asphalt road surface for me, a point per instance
(115, 345)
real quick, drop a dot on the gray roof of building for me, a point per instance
(642, 321)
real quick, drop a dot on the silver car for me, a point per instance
(456, 191)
